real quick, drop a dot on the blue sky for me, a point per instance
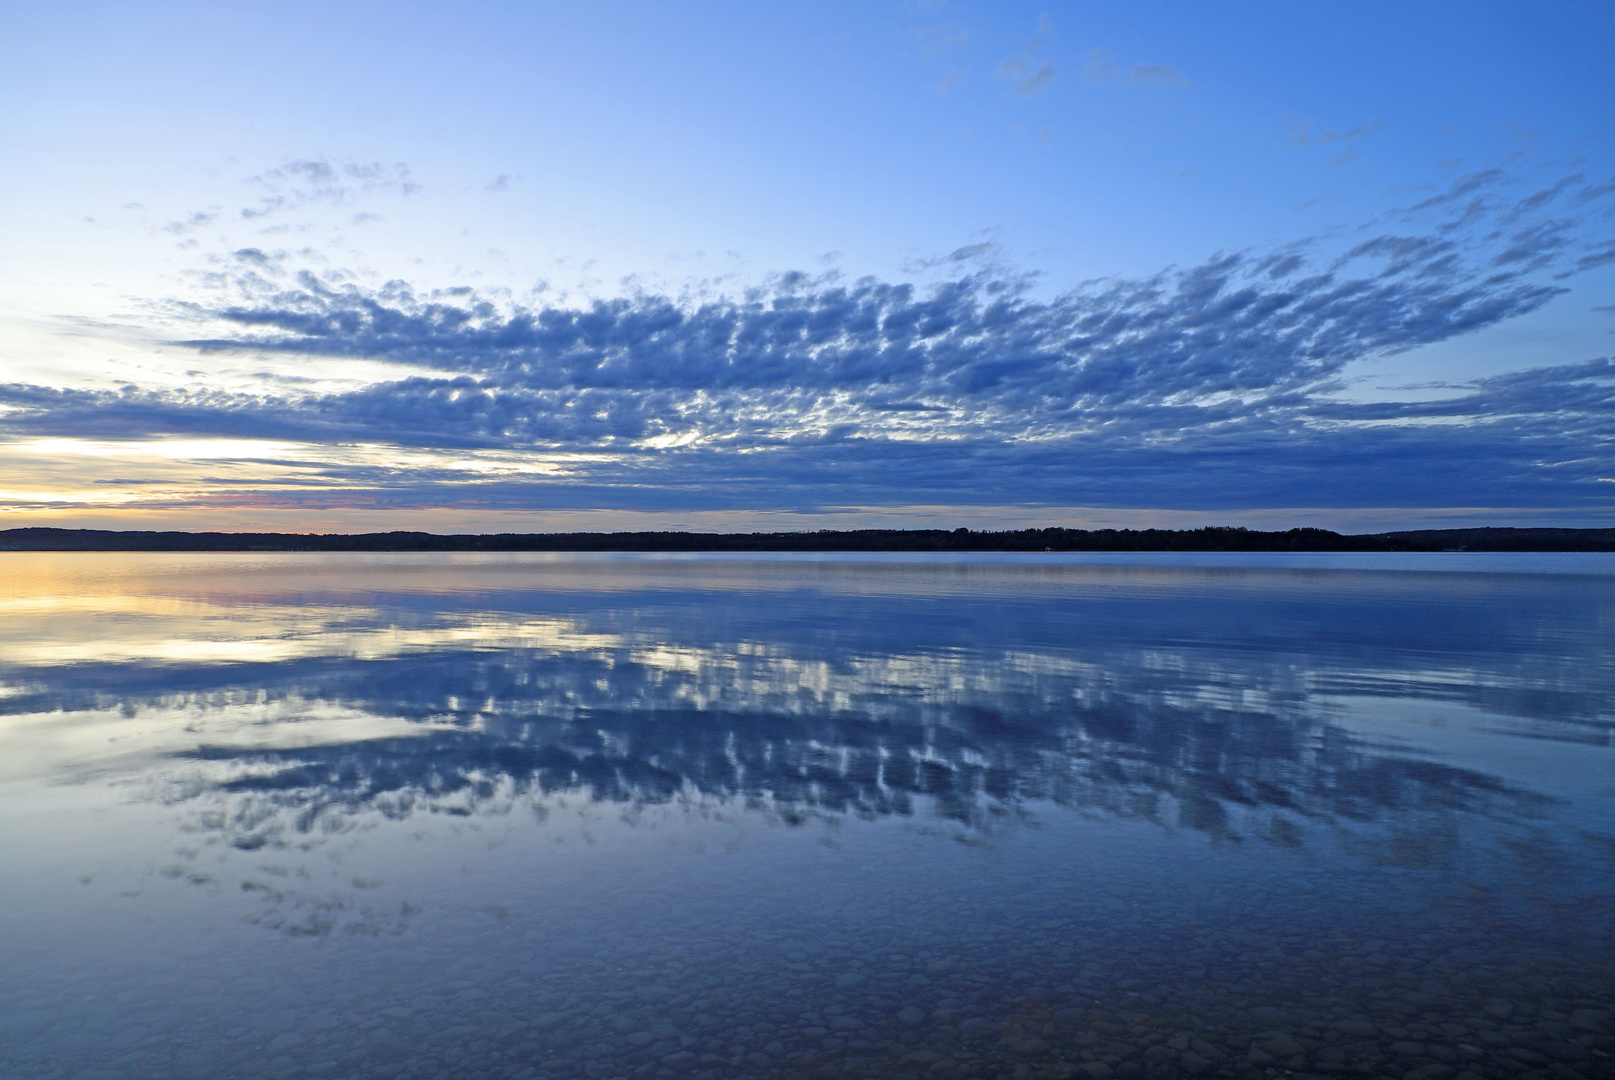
(529, 267)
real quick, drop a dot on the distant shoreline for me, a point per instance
(829, 540)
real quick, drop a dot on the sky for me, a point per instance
(544, 267)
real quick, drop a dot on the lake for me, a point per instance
(551, 816)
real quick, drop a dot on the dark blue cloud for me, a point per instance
(1213, 385)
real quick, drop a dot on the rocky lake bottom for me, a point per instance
(518, 818)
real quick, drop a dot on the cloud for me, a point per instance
(1601, 255)
(1027, 79)
(1472, 188)
(1156, 73)
(974, 251)
(1212, 385)
(1099, 68)
(1024, 70)
(311, 182)
(951, 81)
(199, 219)
(1301, 135)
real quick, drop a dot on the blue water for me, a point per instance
(296, 815)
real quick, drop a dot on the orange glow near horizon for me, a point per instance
(469, 519)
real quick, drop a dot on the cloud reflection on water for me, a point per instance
(1214, 701)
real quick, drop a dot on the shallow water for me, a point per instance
(357, 815)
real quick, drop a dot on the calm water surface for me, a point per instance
(578, 816)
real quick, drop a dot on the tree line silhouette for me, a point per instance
(1211, 538)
